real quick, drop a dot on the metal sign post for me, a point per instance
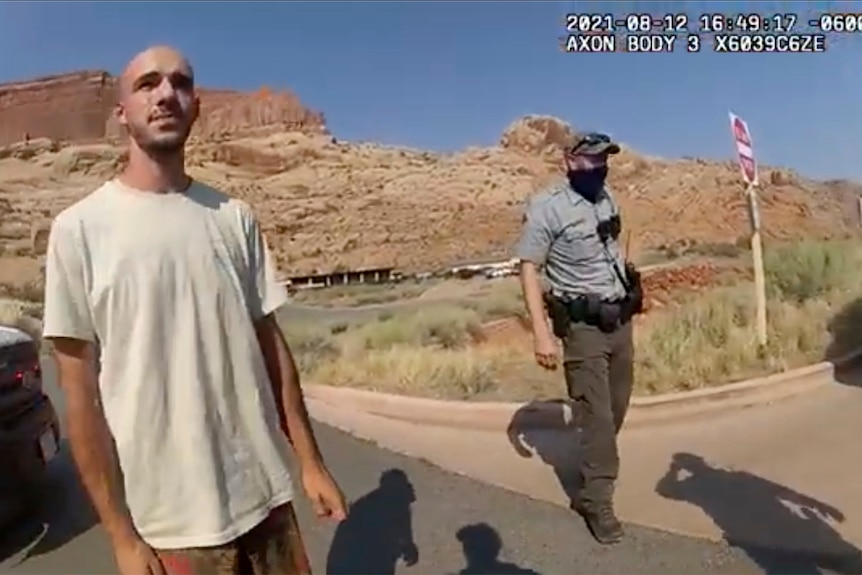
(748, 167)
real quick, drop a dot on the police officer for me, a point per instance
(571, 230)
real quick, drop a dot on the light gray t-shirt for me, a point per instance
(169, 286)
(560, 232)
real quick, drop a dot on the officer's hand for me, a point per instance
(547, 352)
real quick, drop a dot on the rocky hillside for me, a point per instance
(330, 205)
(78, 107)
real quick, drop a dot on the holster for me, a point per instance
(633, 304)
(558, 313)
(593, 310)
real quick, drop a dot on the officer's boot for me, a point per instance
(600, 518)
(602, 523)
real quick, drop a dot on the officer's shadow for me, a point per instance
(779, 529)
(378, 530)
(546, 429)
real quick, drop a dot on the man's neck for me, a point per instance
(165, 174)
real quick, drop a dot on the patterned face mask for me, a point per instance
(589, 182)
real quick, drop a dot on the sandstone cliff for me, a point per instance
(65, 107)
(78, 107)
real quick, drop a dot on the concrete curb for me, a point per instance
(497, 416)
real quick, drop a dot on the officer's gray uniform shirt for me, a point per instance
(560, 233)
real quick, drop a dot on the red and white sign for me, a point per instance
(744, 149)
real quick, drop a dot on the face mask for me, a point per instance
(589, 183)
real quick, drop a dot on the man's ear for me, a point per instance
(196, 109)
(120, 114)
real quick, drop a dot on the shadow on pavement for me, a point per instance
(378, 530)
(64, 514)
(779, 529)
(482, 545)
(528, 436)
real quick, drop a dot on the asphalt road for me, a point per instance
(536, 537)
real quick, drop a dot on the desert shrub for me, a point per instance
(434, 372)
(807, 269)
(503, 299)
(713, 339)
(442, 326)
(362, 294)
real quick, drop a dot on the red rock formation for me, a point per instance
(78, 106)
(226, 112)
(65, 107)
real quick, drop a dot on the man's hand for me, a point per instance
(135, 557)
(410, 554)
(326, 498)
(546, 350)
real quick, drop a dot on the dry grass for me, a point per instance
(498, 299)
(358, 295)
(702, 341)
(455, 373)
(712, 340)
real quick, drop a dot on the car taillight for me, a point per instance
(30, 377)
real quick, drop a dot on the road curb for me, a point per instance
(497, 416)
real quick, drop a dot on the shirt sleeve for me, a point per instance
(67, 311)
(536, 236)
(265, 293)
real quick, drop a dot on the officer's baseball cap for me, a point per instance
(592, 144)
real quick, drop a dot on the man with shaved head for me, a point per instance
(181, 436)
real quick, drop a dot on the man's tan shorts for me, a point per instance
(274, 547)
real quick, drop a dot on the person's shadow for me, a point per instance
(779, 529)
(378, 530)
(554, 439)
(481, 545)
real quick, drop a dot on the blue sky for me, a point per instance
(445, 75)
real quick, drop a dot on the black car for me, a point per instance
(29, 428)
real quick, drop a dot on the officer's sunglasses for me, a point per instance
(588, 141)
